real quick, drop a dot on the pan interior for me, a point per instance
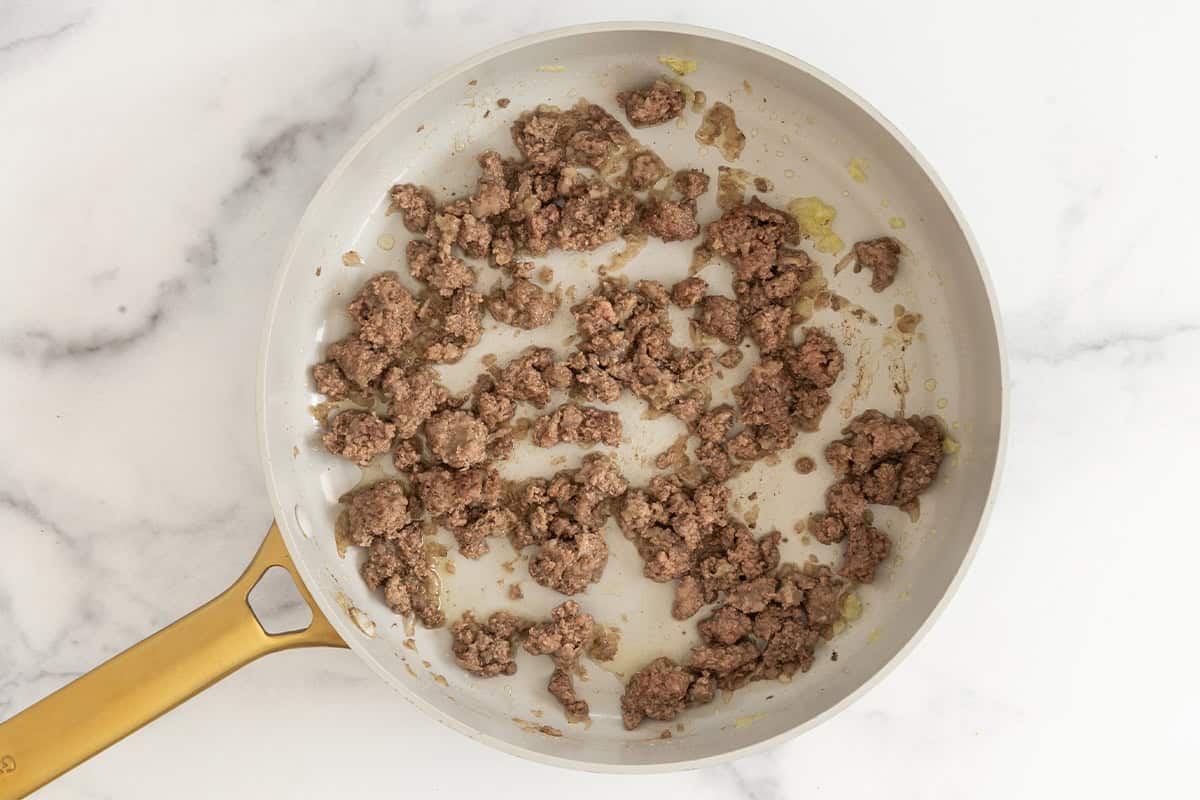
(803, 135)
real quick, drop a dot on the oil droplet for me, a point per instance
(552, 68)
(749, 719)
(950, 446)
(386, 241)
(788, 173)
(851, 607)
(858, 169)
(786, 140)
(873, 636)
(930, 385)
(815, 218)
(896, 223)
(884, 203)
(942, 402)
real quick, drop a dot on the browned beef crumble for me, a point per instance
(660, 691)
(487, 649)
(563, 517)
(653, 104)
(645, 169)
(688, 292)
(719, 316)
(358, 436)
(577, 424)
(330, 381)
(671, 221)
(691, 183)
(522, 304)
(415, 204)
(468, 503)
(882, 257)
(880, 460)
(382, 518)
(413, 397)
(358, 361)
(457, 438)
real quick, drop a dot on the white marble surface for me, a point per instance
(155, 160)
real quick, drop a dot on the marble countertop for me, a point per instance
(155, 161)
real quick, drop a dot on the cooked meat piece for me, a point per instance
(688, 291)
(379, 511)
(866, 547)
(385, 312)
(817, 359)
(588, 222)
(715, 425)
(670, 221)
(492, 196)
(562, 687)
(725, 626)
(415, 204)
(730, 358)
(564, 637)
(652, 105)
(358, 361)
(882, 257)
(402, 568)
(722, 658)
(577, 424)
(660, 691)
(718, 316)
(522, 304)
(444, 274)
(530, 377)
(330, 381)
(458, 438)
(358, 436)
(406, 456)
(413, 396)
(689, 597)
(645, 169)
(691, 183)
(750, 236)
(486, 649)
(570, 565)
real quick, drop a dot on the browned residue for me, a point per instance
(533, 727)
(720, 128)
(634, 242)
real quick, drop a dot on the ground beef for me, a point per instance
(866, 547)
(719, 316)
(530, 377)
(882, 257)
(688, 291)
(563, 516)
(645, 169)
(406, 455)
(379, 511)
(358, 361)
(358, 436)
(468, 503)
(577, 424)
(487, 649)
(458, 438)
(587, 222)
(779, 397)
(445, 275)
(456, 325)
(725, 626)
(730, 358)
(564, 637)
(880, 460)
(413, 396)
(670, 221)
(660, 691)
(415, 204)
(384, 312)
(626, 343)
(522, 304)
(653, 104)
(584, 135)
(492, 196)
(691, 183)
(804, 465)
(562, 688)
(400, 566)
(750, 236)
(330, 381)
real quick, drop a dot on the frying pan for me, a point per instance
(812, 138)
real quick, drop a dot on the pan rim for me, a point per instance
(288, 527)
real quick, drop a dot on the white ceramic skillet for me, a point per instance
(811, 137)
